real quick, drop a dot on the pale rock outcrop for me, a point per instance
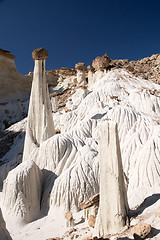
(56, 153)
(77, 98)
(101, 63)
(81, 79)
(54, 103)
(78, 182)
(40, 124)
(90, 76)
(13, 85)
(22, 192)
(113, 206)
(4, 234)
(14, 89)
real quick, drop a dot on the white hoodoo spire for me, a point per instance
(113, 206)
(40, 124)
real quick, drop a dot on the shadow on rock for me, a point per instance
(149, 201)
(48, 182)
(153, 232)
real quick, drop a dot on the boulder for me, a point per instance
(91, 221)
(101, 63)
(39, 54)
(92, 200)
(80, 66)
(141, 230)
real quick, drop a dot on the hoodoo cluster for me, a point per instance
(90, 157)
(40, 127)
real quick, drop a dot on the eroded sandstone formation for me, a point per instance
(40, 124)
(101, 63)
(81, 78)
(22, 192)
(90, 76)
(148, 68)
(13, 85)
(113, 206)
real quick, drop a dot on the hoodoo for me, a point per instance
(113, 206)
(90, 76)
(40, 124)
(81, 79)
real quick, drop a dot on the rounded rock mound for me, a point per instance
(39, 54)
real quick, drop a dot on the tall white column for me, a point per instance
(81, 78)
(40, 124)
(113, 206)
(90, 76)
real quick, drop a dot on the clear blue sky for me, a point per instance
(74, 31)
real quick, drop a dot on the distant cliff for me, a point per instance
(13, 85)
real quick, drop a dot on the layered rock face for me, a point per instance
(14, 91)
(13, 85)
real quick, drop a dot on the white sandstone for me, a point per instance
(69, 160)
(113, 206)
(40, 124)
(90, 76)
(81, 78)
(54, 103)
(22, 193)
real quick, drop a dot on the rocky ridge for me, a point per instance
(148, 68)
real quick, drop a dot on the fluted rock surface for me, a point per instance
(22, 192)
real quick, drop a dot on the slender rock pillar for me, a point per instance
(90, 76)
(113, 208)
(81, 79)
(54, 103)
(40, 124)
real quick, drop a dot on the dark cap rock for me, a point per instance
(80, 66)
(101, 63)
(39, 54)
